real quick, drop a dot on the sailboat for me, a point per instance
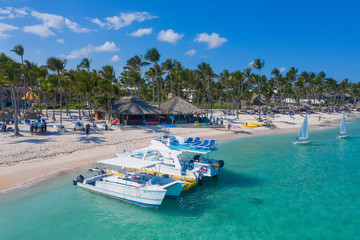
(303, 133)
(342, 129)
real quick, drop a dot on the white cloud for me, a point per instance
(84, 52)
(52, 21)
(141, 32)
(125, 19)
(98, 22)
(6, 27)
(169, 36)
(60, 40)
(251, 64)
(38, 52)
(282, 69)
(115, 58)
(213, 40)
(10, 12)
(40, 30)
(190, 52)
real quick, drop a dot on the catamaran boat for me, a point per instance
(303, 135)
(179, 160)
(342, 129)
(139, 188)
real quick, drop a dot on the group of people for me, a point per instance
(35, 127)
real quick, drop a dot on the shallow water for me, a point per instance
(268, 189)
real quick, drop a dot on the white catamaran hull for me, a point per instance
(343, 136)
(303, 142)
(142, 197)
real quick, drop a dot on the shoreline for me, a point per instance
(26, 173)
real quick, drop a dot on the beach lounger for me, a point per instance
(211, 144)
(189, 140)
(196, 144)
(197, 139)
(206, 142)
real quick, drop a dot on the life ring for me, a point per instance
(204, 169)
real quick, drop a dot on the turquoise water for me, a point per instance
(268, 189)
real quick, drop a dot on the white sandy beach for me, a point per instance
(28, 159)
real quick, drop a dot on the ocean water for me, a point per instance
(268, 189)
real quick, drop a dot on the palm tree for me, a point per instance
(19, 50)
(238, 78)
(259, 64)
(169, 66)
(88, 84)
(153, 56)
(57, 65)
(11, 73)
(207, 74)
(151, 73)
(108, 87)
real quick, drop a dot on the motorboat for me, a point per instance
(178, 160)
(140, 189)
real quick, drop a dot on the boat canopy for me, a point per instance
(133, 163)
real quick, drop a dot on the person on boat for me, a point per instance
(32, 129)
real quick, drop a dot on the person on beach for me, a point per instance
(319, 118)
(3, 128)
(229, 126)
(87, 128)
(45, 127)
(32, 129)
(246, 124)
(106, 127)
(222, 121)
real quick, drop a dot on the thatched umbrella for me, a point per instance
(178, 106)
(133, 106)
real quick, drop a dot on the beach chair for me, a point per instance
(27, 121)
(211, 144)
(189, 140)
(196, 144)
(197, 139)
(206, 142)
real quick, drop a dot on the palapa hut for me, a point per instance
(182, 111)
(131, 111)
(31, 114)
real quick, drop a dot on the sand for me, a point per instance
(29, 159)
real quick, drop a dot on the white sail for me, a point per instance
(342, 129)
(304, 130)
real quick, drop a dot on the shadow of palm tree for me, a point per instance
(91, 139)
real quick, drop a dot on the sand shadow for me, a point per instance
(241, 132)
(34, 140)
(91, 139)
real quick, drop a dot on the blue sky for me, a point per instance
(310, 35)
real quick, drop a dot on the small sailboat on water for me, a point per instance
(303, 133)
(342, 129)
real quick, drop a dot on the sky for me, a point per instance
(312, 36)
